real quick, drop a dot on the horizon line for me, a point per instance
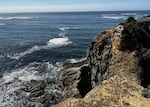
(74, 11)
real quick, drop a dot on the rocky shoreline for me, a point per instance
(116, 72)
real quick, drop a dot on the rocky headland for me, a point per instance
(116, 72)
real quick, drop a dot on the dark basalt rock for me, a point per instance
(36, 91)
(134, 35)
(34, 86)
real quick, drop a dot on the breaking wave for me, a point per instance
(113, 16)
(129, 14)
(121, 16)
(32, 72)
(17, 17)
(76, 60)
(64, 29)
(57, 42)
(52, 43)
(11, 85)
(14, 90)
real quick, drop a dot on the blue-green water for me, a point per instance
(48, 38)
(24, 36)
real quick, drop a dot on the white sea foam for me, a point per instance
(122, 16)
(11, 82)
(64, 28)
(30, 72)
(25, 74)
(52, 43)
(17, 17)
(76, 60)
(59, 42)
(129, 14)
(113, 16)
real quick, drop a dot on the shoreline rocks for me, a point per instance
(75, 81)
(116, 72)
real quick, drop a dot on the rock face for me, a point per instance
(123, 47)
(118, 69)
(75, 81)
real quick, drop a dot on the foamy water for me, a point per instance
(57, 42)
(64, 28)
(122, 16)
(76, 60)
(17, 17)
(52, 43)
(35, 46)
(11, 83)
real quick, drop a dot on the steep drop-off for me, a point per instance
(117, 70)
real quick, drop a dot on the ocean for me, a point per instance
(33, 46)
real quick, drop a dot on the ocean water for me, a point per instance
(33, 46)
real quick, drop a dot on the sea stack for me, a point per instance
(116, 73)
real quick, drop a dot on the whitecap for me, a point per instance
(52, 43)
(129, 14)
(17, 17)
(76, 60)
(110, 16)
(64, 28)
(59, 42)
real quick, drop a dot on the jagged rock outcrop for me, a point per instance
(35, 92)
(118, 61)
(75, 81)
(114, 48)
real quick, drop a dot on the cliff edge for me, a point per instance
(116, 73)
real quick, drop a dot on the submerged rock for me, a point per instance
(118, 61)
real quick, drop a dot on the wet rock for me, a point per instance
(36, 91)
(34, 86)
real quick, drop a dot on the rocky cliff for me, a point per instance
(117, 70)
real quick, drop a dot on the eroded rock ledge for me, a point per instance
(116, 72)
